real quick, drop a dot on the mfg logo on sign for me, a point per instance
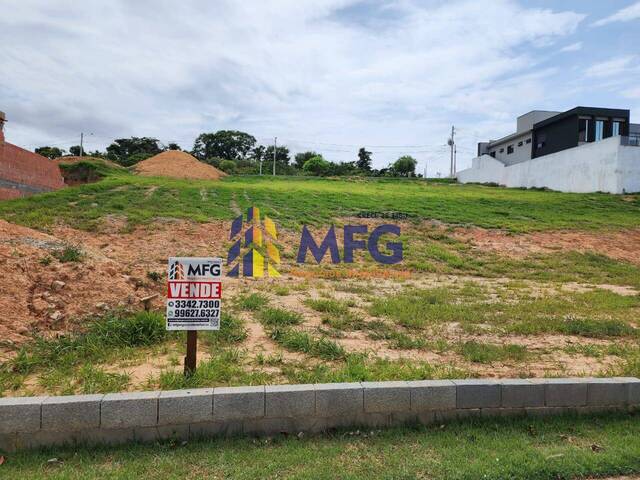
(351, 244)
(177, 270)
(263, 257)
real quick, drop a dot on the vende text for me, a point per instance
(198, 290)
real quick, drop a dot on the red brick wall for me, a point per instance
(9, 193)
(22, 166)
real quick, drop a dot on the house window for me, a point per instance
(509, 149)
(541, 140)
(502, 150)
(519, 144)
(528, 141)
(493, 154)
(615, 130)
(583, 130)
(599, 130)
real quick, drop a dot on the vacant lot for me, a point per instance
(494, 282)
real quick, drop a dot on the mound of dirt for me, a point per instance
(177, 164)
(72, 159)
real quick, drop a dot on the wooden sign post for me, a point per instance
(192, 353)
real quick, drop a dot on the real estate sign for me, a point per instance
(194, 293)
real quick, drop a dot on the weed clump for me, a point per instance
(69, 253)
(252, 302)
(303, 342)
(278, 317)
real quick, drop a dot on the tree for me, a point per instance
(49, 152)
(282, 155)
(227, 144)
(302, 157)
(342, 168)
(75, 150)
(215, 161)
(364, 160)
(173, 146)
(123, 148)
(405, 166)
(228, 166)
(258, 153)
(316, 165)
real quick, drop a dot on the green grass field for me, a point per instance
(297, 200)
(489, 313)
(522, 449)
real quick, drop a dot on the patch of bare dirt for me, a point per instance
(42, 295)
(619, 245)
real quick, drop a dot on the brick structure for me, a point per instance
(25, 173)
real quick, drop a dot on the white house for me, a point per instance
(581, 150)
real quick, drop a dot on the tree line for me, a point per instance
(238, 152)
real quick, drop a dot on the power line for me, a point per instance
(313, 142)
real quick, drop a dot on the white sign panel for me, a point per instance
(194, 293)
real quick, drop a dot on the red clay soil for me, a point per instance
(620, 245)
(177, 164)
(39, 294)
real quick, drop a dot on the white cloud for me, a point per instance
(627, 14)
(633, 93)
(291, 68)
(610, 68)
(574, 47)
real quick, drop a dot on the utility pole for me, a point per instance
(275, 149)
(81, 139)
(455, 160)
(452, 143)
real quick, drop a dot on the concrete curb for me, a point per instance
(33, 422)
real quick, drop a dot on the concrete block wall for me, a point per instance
(33, 422)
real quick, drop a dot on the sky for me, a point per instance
(323, 75)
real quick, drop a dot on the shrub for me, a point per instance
(316, 166)
(228, 166)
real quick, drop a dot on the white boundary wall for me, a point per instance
(605, 166)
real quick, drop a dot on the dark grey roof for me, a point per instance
(605, 112)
